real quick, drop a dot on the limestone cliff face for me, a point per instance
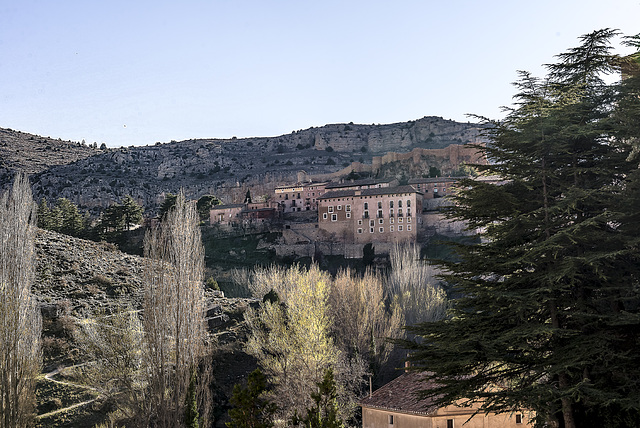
(94, 179)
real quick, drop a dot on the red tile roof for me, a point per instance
(401, 395)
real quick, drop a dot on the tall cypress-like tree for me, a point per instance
(549, 315)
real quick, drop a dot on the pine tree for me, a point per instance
(250, 407)
(548, 319)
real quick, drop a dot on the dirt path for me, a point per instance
(49, 377)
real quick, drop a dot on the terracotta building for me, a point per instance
(382, 214)
(299, 197)
(396, 405)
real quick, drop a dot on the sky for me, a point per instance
(136, 72)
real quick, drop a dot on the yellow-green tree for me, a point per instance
(291, 340)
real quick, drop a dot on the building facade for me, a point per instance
(359, 216)
(299, 197)
(396, 405)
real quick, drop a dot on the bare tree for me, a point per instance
(173, 318)
(363, 317)
(113, 346)
(20, 320)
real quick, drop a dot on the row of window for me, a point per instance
(381, 229)
(334, 217)
(347, 208)
(381, 221)
(408, 204)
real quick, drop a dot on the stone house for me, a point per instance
(380, 214)
(436, 187)
(242, 214)
(299, 197)
(396, 405)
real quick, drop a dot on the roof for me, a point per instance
(401, 395)
(434, 180)
(369, 192)
(361, 182)
(223, 207)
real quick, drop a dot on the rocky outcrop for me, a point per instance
(94, 179)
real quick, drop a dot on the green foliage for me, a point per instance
(250, 407)
(324, 412)
(120, 217)
(434, 172)
(550, 296)
(191, 416)
(63, 218)
(168, 203)
(204, 204)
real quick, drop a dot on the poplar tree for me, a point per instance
(20, 320)
(548, 319)
(173, 304)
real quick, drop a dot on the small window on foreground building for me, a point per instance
(399, 228)
(324, 216)
(390, 419)
(330, 208)
(359, 222)
(347, 208)
(450, 423)
(371, 230)
(348, 215)
(334, 217)
(359, 230)
(381, 230)
(390, 228)
(339, 207)
(518, 418)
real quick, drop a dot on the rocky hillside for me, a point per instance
(226, 167)
(34, 154)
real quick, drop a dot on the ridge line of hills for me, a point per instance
(94, 178)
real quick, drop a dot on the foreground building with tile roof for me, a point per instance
(397, 405)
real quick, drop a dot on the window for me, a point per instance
(390, 228)
(381, 221)
(366, 205)
(409, 219)
(330, 208)
(408, 203)
(359, 230)
(409, 227)
(339, 207)
(449, 423)
(390, 419)
(348, 215)
(381, 230)
(372, 223)
(379, 213)
(390, 204)
(371, 230)
(399, 228)
(400, 220)
(359, 222)
(391, 212)
(518, 418)
(347, 208)
(334, 217)
(324, 216)
(391, 220)
(408, 212)
(379, 205)
(366, 214)
(399, 204)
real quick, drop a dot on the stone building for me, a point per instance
(396, 405)
(299, 197)
(360, 216)
(436, 187)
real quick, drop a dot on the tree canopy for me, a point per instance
(548, 319)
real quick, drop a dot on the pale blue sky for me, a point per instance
(137, 72)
